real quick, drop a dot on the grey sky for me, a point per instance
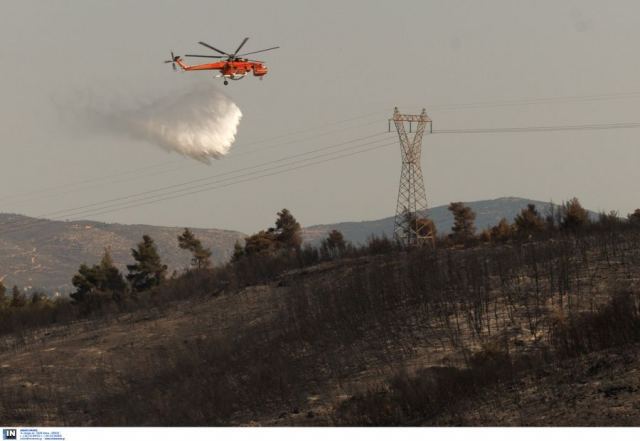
(338, 60)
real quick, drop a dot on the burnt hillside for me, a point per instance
(484, 335)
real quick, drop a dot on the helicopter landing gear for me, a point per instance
(226, 82)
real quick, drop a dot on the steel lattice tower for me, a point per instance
(412, 198)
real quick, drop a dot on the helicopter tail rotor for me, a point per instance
(173, 60)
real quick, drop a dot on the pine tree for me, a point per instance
(238, 252)
(18, 299)
(201, 255)
(334, 245)
(574, 217)
(101, 279)
(3, 293)
(529, 221)
(261, 243)
(634, 218)
(148, 271)
(288, 231)
(112, 279)
(85, 281)
(463, 222)
(501, 232)
(609, 220)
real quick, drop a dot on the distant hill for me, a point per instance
(47, 255)
(488, 213)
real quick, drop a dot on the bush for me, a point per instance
(414, 399)
(617, 323)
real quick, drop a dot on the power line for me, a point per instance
(175, 187)
(197, 183)
(249, 179)
(201, 188)
(233, 154)
(537, 101)
(559, 128)
(202, 181)
(96, 207)
(167, 170)
(444, 107)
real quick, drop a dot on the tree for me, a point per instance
(553, 217)
(38, 298)
(529, 221)
(288, 230)
(18, 299)
(574, 217)
(334, 244)
(97, 281)
(634, 218)
(261, 243)
(501, 232)
(419, 227)
(3, 292)
(85, 281)
(112, 279)
(201, 255)
(463, 222)
(485, 235)
(609, 220)
(238, 252)
(148, 271)
(285, 236)
(425, 227)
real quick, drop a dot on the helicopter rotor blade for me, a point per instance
(263, 50)
(213, 48)
(240, 47)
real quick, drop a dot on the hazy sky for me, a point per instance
(342, 67)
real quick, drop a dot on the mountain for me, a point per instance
(48, 254)
(488, 213)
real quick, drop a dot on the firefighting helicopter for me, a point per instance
(232, 67)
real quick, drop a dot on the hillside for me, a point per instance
(49, 253)
(536, 333)
(488, 213)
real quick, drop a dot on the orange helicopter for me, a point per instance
(233, 67)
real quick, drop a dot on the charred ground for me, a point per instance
(534, 331)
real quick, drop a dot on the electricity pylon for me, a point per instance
(412, 200)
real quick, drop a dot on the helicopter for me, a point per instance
(231, 67)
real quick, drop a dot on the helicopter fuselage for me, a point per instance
(231, 69)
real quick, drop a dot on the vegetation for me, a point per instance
(501, 232)
(270, 252)
(527, 296)
(334, 245)
(99, 283)
(18, 299)
(201, 255)
(574, 217)
(464, 228)
(529, 222)
(148, 271)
